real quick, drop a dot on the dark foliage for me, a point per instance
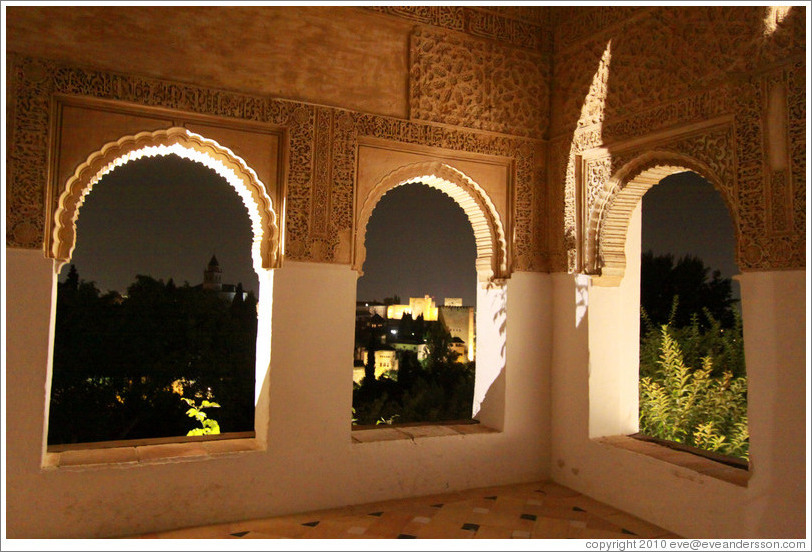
(662, 279)
(119, 361)
(432, 390)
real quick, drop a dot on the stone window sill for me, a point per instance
(406, 432)
(713, 465)
(147, 451)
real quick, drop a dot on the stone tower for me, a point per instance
(213, 276)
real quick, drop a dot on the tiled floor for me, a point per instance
(535, 510)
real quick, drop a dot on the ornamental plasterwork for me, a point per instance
(478, 84)
(773, 202)
(528, 247)
(489, 233)
(321, 171)
(186, 144)
(575, 24)
(608, 203)
(514, 28)
(688, 67)
(767, 207)
(668, 53)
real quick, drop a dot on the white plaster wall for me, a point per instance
(775, 334)
(678, 499)
(310, 462)
(614, 359)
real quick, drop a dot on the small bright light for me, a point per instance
(394, 332)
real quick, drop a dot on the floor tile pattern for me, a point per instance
(535, 510)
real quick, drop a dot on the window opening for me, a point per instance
(415, 338)
(156, 317)
(693, 385)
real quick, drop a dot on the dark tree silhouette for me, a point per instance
(119, 362)
(697, 289)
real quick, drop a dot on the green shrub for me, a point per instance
(692, 405)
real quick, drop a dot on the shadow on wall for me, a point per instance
(489, 387)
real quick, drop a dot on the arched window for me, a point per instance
(693, 386)
(475, 336)
(158, 316)
(644, 376)
(415, 336)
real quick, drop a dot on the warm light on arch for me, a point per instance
(187, 145)
(774, 17)
(609, 219)
(489, 235)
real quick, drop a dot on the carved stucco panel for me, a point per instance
(561, 225)
(478, 84)
(572, 25)
(759, 196)
(28, 157)
(528, 247)
(321, 166)
(518, 27)
(670, 52)
(772, 200)
(605, 176)
(796, 105)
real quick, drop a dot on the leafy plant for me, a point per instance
(209, 426)
(692, 405)
(387, 421)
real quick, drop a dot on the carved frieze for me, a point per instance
(478, 84)
(321, 159)
(514, 28)
(572, 25)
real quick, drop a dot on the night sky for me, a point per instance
(140, 219)
(419, 242)
(684, 214)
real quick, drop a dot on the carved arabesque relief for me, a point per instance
(321, 156)
(617, 184)
(525, 29)
(172, 141)
(724, 73)
(478, 84)
(489, 233)
(669, 52)
(574, 24)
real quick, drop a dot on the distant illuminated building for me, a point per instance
(459, 320)
(386, 360)
(417, 306)
(461, 324)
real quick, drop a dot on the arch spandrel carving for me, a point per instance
(611, 212)
(489, 234)
(172, 141)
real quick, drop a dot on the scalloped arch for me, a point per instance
(489, 234)
(609, 219)
(172, 141)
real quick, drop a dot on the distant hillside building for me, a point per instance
(459, 320)
(417, 306)
(213, 281)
